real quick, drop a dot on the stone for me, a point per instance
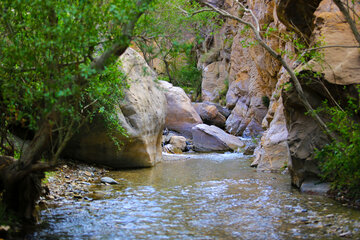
(211, 138)
(341, 64)
(249, 149)
(236, 123)
(142, 114)
(169, 148)
(108, 180)
(213, 81)
(274, 155)
(246, 117)
(181, 116)
(298, 15)
(178, 142)
(346, 234)
(210, 115)
(304, 135)
(315, 187)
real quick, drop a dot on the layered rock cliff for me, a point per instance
(288, 136)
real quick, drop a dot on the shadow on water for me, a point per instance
(208, 196)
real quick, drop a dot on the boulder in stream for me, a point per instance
(211, 138)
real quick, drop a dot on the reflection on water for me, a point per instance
(209, 196)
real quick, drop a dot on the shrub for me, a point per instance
(266, 101)
(340, 160)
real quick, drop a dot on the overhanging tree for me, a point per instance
(57, 69)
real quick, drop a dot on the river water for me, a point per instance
(207, 196)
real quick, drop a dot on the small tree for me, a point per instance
(57, 69)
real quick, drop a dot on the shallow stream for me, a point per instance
(207, 196)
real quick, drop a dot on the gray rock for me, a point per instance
(210, 114)
(108, 180)
(313, 186)
(211, 138)
(249, 149)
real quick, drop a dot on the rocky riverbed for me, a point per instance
(202, 196)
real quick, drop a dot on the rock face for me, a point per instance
(288, 135)
(304, 134)
(142, 114)
(342, 64)
(274, 152)
(211, 138)
(342, 68)
(214, 80)
(250, 72)
(210, 114)
(181, 116)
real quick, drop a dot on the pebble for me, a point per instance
(89, 174)
(304, 220)
(108, 180)
(346, 234)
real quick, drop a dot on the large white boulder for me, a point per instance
(142, 114)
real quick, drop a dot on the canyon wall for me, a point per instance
(258, 94)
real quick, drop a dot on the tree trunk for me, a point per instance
(21, 179)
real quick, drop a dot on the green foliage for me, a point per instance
(174, 37)
(340, 160)
(265, 101)
(47, 176)
(47, 47)
(223, 92)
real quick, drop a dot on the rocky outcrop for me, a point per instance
(214, 80)
(210, 114)
(250, 72)
(298, 15)
(246, 117)
(181, 116)
(304, 133)
(274, 155)
(290, 135)
(211, 138)
(339, 66)
(142, 114)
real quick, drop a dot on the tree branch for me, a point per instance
(294, 79)
(348, 18)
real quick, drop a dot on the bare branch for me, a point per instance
(252, 14)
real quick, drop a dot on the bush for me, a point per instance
(340, 160)
(265, 101)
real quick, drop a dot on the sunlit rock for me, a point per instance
(141, 113)
(211, 138)
(181, 116)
